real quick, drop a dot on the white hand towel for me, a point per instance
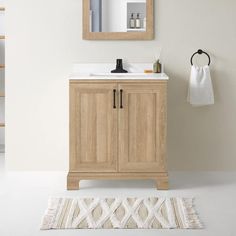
(200, 91)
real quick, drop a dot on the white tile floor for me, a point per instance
(24, 195)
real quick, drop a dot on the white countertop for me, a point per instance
(93, 71)
(131, 76)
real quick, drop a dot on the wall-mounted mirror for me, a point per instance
(118, 19)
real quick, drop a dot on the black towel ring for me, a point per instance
(200, 51)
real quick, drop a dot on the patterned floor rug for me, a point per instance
(121, 213)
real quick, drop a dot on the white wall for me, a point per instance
(44, 39)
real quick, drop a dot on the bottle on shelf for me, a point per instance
(132, 21)
(138, 21)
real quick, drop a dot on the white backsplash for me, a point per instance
(92, 68)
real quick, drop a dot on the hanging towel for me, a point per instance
(200, 92)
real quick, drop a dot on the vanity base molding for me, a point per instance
(74, 178)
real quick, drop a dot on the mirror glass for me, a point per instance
(117, 16)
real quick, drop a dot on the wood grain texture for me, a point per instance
(93, 128)
(107, 143)
(72, 182)
(118, 175)
(142, 129)
(148, 35)
(162, 184)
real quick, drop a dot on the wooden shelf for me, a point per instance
(2, 94)
(136, 29)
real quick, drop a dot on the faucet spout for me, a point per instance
(119, 67)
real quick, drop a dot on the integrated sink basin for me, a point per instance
(101, 71)
(121, 74)
(129, 75)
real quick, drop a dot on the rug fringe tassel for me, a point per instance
(192, 218)
(50, 214)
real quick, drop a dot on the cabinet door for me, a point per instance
(142, 128)
(93, 127)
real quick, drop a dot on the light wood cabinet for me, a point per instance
(142, 128)
(93, 131)
(117, 130)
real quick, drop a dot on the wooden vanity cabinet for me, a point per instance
(117, 130)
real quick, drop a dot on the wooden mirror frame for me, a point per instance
(147, 35)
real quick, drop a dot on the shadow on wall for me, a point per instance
(195, 134)
(180, 180)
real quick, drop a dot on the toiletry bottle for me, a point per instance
(132, 21)
(157, 66)
(138, 22)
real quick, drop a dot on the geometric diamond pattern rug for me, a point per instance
(121, 213)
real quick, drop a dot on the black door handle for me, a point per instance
(121, 98)
(114, 98)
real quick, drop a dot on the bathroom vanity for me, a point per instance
(118, 128)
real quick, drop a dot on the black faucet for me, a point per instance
(119, 67)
